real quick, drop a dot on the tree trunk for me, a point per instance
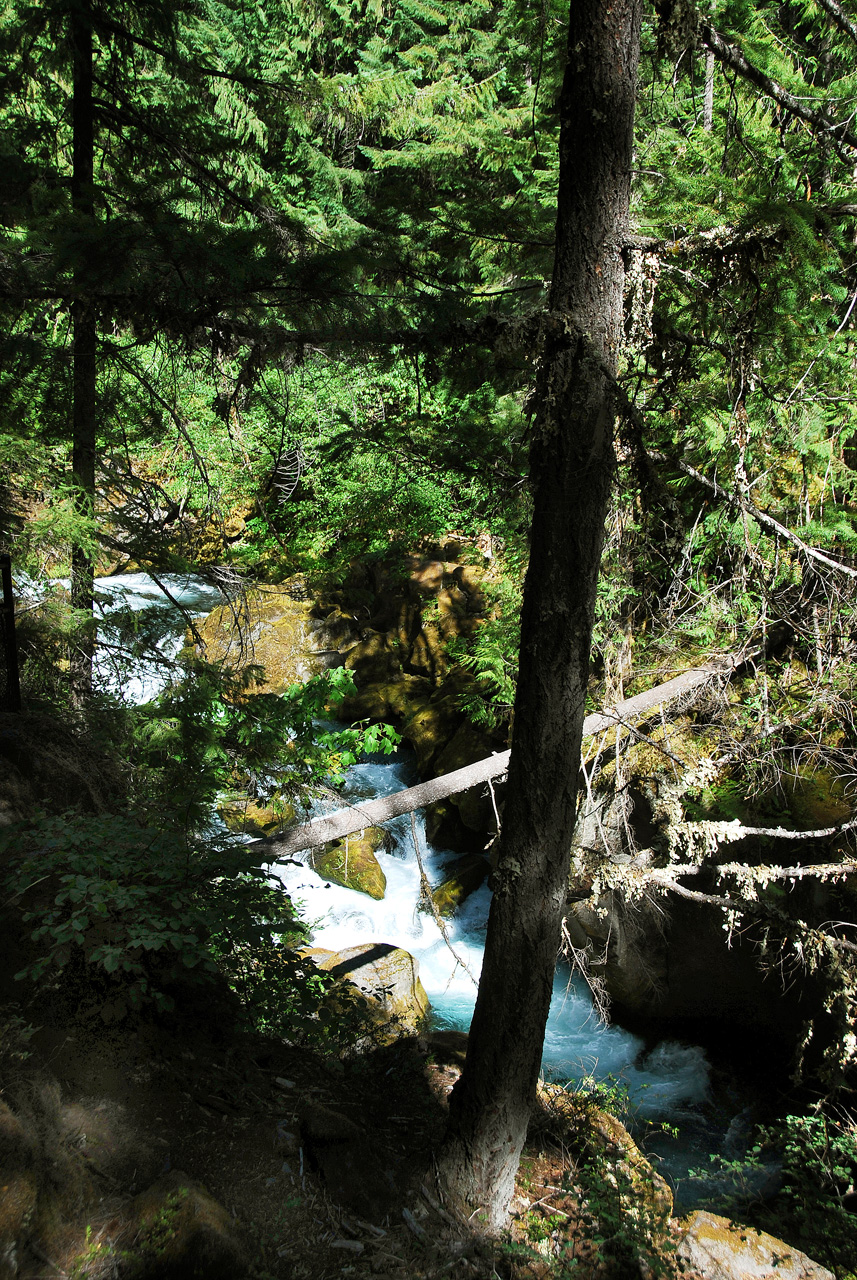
(83, 353)
(571, 467)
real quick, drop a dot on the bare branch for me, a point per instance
(730, 495)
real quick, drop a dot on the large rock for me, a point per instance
(278, 630)
(462, 877)
(177, 1231)
(352, 863)
(373, 659)
(719, 1250)
(344, 1157)
(385, 699)
(637, 1184)
(388, 980)
(467, 745)
(248, 817)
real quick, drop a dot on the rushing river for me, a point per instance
(672, 1105)
(668, 1084)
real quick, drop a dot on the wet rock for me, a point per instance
(388, 981)
(177, 1231)
(463, 877)
(429, 728)
(248, 817)
(352, 863)
(720, 1250)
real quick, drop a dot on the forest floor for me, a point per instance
(325, 1167)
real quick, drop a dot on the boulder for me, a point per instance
(248, 817)
(385, 699)
(463, 877)
(352, 863)
(342, 1154)
(427, 575)
(467, 745)
(275, 630)
(177, 1231)
(429, 728)
(387, 979)
(720, 1250)
(373, 659)
(636, 1182)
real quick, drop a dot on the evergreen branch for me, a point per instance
(179, 425)
(840, 17)
(189, 69)
(727, 236)
(734, 59)
(767, 521)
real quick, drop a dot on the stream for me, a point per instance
(678, 1109)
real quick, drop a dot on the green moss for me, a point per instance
(352, 863)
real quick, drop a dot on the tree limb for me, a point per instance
(840, 17)
(343, 822)
(729, 495)
(734, 59)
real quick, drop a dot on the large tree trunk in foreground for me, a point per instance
(571, 466)
(83, 353)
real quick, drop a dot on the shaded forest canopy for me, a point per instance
(282, 292)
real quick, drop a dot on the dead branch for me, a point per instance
(335, 826)
(733, 58)
(767, 521)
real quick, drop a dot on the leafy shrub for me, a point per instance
(819, 1173)
(145, 910)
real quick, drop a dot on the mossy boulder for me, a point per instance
(352, 863)
(722, 1250)
(276, 629)
(248, 817)
(429, 728)
(601, 1139)
(177, 1231)
(392, 699)
(463, 877)
(467, 745)
(372, 659)
(388, 981)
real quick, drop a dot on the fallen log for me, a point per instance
(369, 813)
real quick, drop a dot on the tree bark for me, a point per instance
(83, 353)
(571, 467)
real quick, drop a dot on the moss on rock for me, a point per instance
(352, 863)
(387, 979)
(464, 876)
(248, 817)
(177, 1231)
